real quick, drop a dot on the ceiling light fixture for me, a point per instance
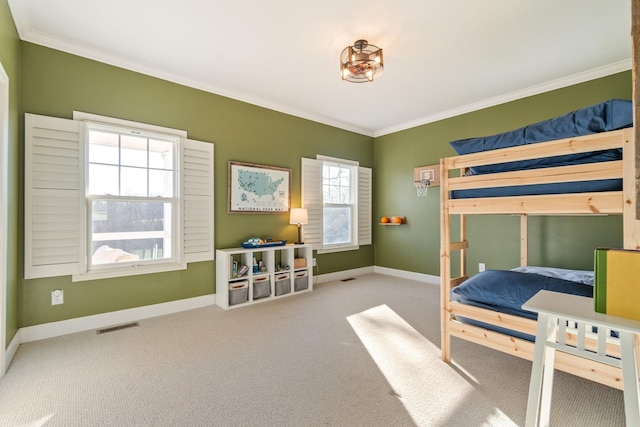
(361, 62)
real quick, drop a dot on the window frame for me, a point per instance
(173, 199)
(128, 268)
(312, 200)
(352, 244)
(55, 242)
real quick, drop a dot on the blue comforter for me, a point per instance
(506, 291)
(603, 117)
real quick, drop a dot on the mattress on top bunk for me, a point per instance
(505, 291)
(603, 117)
(534, 189)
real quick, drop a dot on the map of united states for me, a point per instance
(258, 183)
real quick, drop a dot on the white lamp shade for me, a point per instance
(298, 216)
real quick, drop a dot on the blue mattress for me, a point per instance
(603, 117)
(506, 291)
(528, 190)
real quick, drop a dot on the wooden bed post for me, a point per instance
(445, 262)
(524, 240)
(635, 49)
(635, 53)
(631, 225)
(463, 252)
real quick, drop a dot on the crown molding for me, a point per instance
(20, 13)
(25, 32)
(573, 79)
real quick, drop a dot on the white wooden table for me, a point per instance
(554, 311)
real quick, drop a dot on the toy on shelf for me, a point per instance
(243, 270)
(256, 242)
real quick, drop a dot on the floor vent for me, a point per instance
(117, 328)
(347, 280)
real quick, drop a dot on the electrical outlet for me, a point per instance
(314, 262)
(481, 267)
(57, 297)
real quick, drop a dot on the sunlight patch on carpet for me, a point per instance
(430, 390)
(38, 423)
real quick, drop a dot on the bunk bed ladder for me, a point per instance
(446, 248)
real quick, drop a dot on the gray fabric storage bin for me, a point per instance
(282, 284)
(239, 295)
(300, 281)
(261, 287)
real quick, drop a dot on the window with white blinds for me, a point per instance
(337, 196)
(109, 198)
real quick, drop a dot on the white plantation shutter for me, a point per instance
(197, 196)
(54, 206)
(312, 201)
(364, 206)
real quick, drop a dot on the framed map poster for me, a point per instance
(258, 188)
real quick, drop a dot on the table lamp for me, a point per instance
(298, 216)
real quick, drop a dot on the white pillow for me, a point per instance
(581, 276)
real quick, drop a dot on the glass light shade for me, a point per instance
(361, 62)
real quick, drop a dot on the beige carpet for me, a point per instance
(357, 353)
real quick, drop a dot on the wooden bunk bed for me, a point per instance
(456, 315)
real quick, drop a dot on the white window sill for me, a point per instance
(127, 271)
(338, 249)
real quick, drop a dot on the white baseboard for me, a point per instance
(12, 349)
(80, 324)
(403, 274)
(410, 275)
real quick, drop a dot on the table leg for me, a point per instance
(547, 385)
(630, 378)
(540, 386)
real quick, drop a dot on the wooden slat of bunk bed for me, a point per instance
(579, 144)
(617, 202)
(586, 172)
(594, 371)
(508, 321)
(554, 204)
(522, 325)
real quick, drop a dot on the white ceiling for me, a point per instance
(442, 57)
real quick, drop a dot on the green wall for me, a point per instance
(55, 84)
(494, 240)
(50, 82)
(10, 60)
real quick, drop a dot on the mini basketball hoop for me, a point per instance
(422, 187)
(425, 177)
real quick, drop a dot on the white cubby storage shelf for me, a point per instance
(283, 271)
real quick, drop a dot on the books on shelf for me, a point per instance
(617, 282)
